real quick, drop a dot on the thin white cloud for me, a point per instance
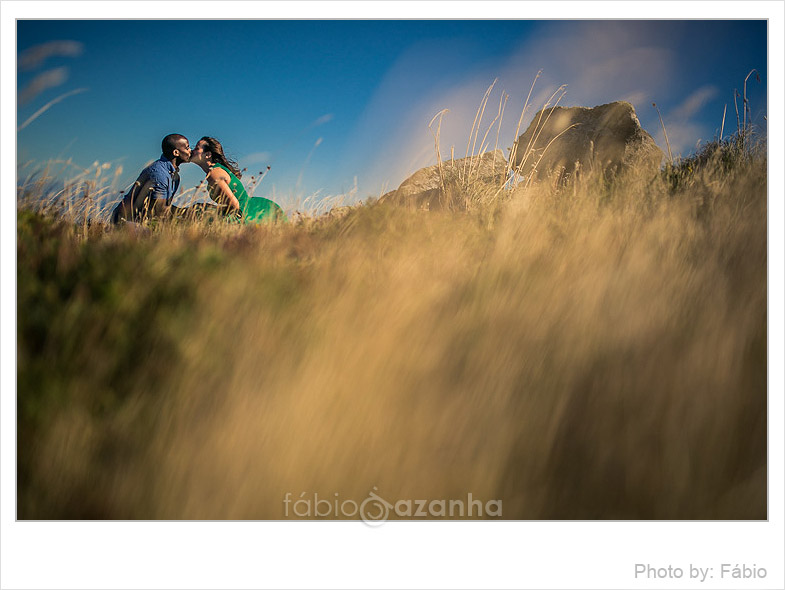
(35, 56)
(683, 133)
(257, 157)
(636, 98)
(694, 103)
(636, 71)
(323, 119)
(42, 82)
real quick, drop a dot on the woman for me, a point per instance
(225, 188)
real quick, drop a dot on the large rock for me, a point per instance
(608, 137)
(423, 188)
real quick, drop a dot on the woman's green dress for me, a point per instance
(254, 209)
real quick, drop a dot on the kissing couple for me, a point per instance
(153, 192)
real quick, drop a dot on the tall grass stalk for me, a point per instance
(475, 129)
(502, 105)
(436, 137)
(539, 127)
(514, 148)
(665, 133)
(745, 131)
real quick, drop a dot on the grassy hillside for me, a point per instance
(594, 350)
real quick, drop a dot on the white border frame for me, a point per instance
(297, 554)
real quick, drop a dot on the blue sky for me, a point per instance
(327, 102)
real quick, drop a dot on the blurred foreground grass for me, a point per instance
(587, 352)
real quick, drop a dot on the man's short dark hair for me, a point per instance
(169, 144)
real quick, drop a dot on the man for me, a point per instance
(152, 193)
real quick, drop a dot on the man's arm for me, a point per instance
(142, 202)
(152, 198)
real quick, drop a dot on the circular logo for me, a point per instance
(374, 510)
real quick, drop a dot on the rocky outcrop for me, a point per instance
(608, 137)
(423, 189)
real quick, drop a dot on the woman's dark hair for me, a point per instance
(214, 146)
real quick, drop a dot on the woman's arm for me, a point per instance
(218, 181)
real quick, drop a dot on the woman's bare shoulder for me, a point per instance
(217, 173)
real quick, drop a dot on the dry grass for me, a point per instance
(596, 350)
